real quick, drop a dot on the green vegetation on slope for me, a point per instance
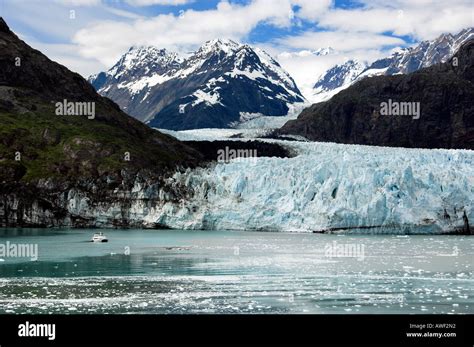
(48, 145)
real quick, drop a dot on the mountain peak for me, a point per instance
(221, 42)
(445, 36)
(147, 49)
(225, 45)
(466, 31)
(146, 53)
(339, 75)
(145, 60)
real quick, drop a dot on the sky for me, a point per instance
(89, 36)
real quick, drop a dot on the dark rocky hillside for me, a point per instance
(64, 146)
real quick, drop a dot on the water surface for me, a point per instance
(163, 271)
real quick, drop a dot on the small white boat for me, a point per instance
(99, 237)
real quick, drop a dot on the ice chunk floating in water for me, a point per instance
(330, 187)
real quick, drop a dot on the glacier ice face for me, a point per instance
(329, 187)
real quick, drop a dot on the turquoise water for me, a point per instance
(163, 271)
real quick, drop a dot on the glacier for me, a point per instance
(327, 187)
(323, 187)
(250, 126)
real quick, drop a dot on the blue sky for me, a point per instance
(103, 30)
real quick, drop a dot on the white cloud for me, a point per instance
(345, 29)
(65, 55)
(361, 33)
(122, 13)
(421, 19)
(312, 9)
(340, 40)
(47, 26)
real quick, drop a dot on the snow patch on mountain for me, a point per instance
(136, 86)
(227, 46)
(210, 99)
(371, 73)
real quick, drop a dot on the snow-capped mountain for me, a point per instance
(144, 61)
(220, 85)
(427, 53)
(439, 116)
(337, 78)
(403, 61)
(139, 68)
